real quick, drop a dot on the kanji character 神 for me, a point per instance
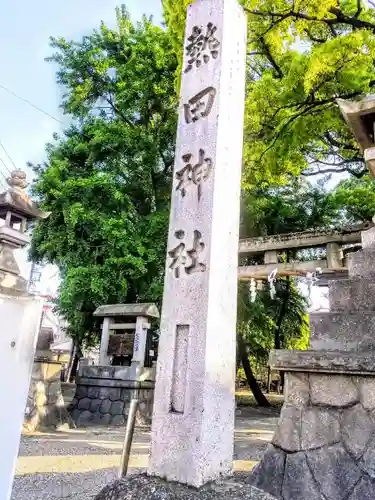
(194, 174)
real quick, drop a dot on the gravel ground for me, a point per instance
(78, 463)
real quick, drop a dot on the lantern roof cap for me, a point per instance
(360, 116)
(17, 200)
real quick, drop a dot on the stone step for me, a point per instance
(351, 295)
(362, 264)
(342, 331)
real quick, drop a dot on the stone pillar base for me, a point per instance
(150, 488)
(324, 444)
(45, 406)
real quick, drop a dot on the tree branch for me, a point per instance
(313, 38)
(283, 127)
(322, 171)
(359, 9)
(271, 58)
(338, 144)
(339, 164)
(340, 18)
(256, 71)
(119, 112)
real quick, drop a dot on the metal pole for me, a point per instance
(129, 432)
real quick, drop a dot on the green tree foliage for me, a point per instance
(261, 321)
(356, 199)
(295, 206)
(302, 56)
(107, 178)
(175, 17)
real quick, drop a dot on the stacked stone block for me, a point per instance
(324, 445)
(103, 395)
(98, 405)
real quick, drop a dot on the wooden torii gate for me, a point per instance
(333, 266)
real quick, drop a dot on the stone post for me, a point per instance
(270, 257)
(20, 319)
(334, 256)
(193, 419)
(140, 340)
(104, 341)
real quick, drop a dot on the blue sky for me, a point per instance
(25, 28)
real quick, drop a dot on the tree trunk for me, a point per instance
(269, 380)
(74, 364)
(70, 363)
(260, 398)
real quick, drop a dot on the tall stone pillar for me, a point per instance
(334, 256)
(193, 419)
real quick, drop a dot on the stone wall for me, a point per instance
(103, 396)
(324, 445)
(45, 404)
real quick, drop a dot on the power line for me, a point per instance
(51, 116)
(31, 104)
(4, 184)
(3, 162)
(9, 158)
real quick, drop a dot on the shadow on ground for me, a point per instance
(58, 486)
(78, 463)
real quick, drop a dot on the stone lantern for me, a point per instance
(17, 210)
(20, 319)
(323, 446)
(360, 116)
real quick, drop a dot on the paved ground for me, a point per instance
(78, 463)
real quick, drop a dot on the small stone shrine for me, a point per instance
(324, 445)
(103, 392)
(193, 419)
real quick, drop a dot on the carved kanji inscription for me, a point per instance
(193, 173)
(188, 260)
(202, 46)
(200, 105)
